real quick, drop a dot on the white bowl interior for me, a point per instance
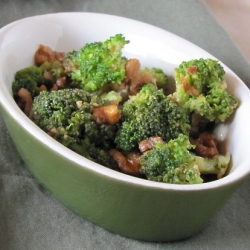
(154, 47)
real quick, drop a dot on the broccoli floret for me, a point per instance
(67, 115)
(174, 162)
(111, 97)
(161, 79)
(70, 62)
(93, 152)
(201, 88)
(98, 63)
(63, 111)
(150, 113)
(171, 162)
(55, 70)
(32, 77)
(28, 78)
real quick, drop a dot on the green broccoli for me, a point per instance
(150, 113)
(201, 88)
(161, 79)
(174, 162)
(32, 77)
(63, 112)
(55, 69)
(97, 64)
(171, 162)
(28, 78)
(111, 97)
(93, 152)
(67, 116)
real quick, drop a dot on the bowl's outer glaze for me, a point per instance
(127, 209)
(121, 205)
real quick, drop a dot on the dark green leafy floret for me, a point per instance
(67, 115)
(28, 78)
(58, 110)
(98, 63)
(171, 162)
(201, 88)
(31, 78)
(150, 113)
(94, 153)
(174, 162)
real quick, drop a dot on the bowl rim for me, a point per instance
(9, 105)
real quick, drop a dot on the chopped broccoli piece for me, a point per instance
(94, 153)
(171, 162)
(216, 165)
(161, 79)
(98, 63)
(150, 113)
(55, 68)
(67, 115)
(32, 77)
(201, 88)
(28, 78)
(59, 111)
(111, 97)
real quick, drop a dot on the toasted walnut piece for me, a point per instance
(54, 88)
(26, 98)
(47, 75)
(132, 68)
(195, 121)
(206, 145)
(128, 165)
(172, 98)
(134, 79)
(46, 54)
(42, 88)
(52, 132)
(148, 144)
(59, 56)
(109, 114)
(61, 82)
(79, 104)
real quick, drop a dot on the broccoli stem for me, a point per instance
(217, 165)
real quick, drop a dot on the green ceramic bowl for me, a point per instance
(122, 204)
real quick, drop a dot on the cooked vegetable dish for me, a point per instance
(109, 109)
